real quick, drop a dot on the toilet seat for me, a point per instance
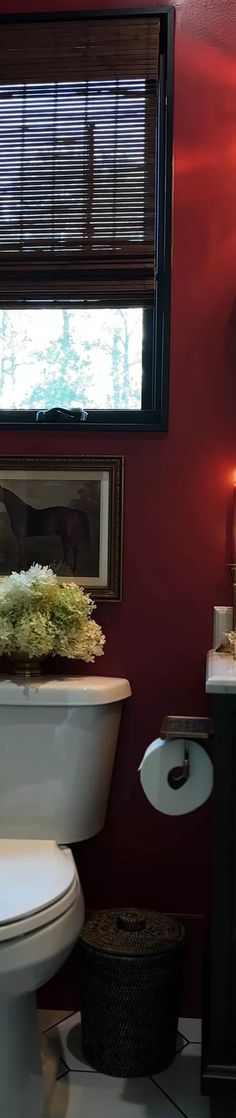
(38, 883)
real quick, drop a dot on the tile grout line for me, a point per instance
(63, 1075)
(62, 1061)
(189, 1039)
(199, 1042)
(85, 1071)
(175, 1104)
(61, 1022)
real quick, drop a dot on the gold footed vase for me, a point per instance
(27, 667)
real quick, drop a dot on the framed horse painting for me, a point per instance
(65, 513)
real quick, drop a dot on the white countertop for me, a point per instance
(220, 673)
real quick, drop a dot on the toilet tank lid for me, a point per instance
(64, 691)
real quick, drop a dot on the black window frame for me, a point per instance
(153, 416)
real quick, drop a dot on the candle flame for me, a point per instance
(234, 477)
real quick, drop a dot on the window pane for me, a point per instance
(71, 358)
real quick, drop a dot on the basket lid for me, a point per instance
(131, 931)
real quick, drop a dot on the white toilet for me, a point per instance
(57, 746)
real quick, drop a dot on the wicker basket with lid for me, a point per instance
(130, 979)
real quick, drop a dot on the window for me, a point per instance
(85, 205)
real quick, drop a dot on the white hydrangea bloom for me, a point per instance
(40, 616)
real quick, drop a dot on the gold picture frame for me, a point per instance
(66, 513)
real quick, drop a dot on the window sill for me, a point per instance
(141, 421)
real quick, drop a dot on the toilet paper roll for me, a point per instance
(162, 756)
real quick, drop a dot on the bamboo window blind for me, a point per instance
(78, 117)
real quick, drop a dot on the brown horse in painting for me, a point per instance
(70, 524)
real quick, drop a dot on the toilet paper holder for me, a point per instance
(180, 773)
(190, 729)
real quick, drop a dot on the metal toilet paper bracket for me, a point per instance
(189, 729)
(180, 774)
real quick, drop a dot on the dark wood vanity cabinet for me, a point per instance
(219, 985)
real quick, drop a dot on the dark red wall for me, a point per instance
(177, 486)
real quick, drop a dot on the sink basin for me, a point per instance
(220, 673)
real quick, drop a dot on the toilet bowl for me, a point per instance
(41, 912)
(57, 747)
(41, 915)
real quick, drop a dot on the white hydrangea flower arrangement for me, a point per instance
(40, 616)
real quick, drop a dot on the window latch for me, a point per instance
(61, 415)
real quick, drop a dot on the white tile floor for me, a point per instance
(77, 1091)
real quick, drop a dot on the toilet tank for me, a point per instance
(58, 741)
